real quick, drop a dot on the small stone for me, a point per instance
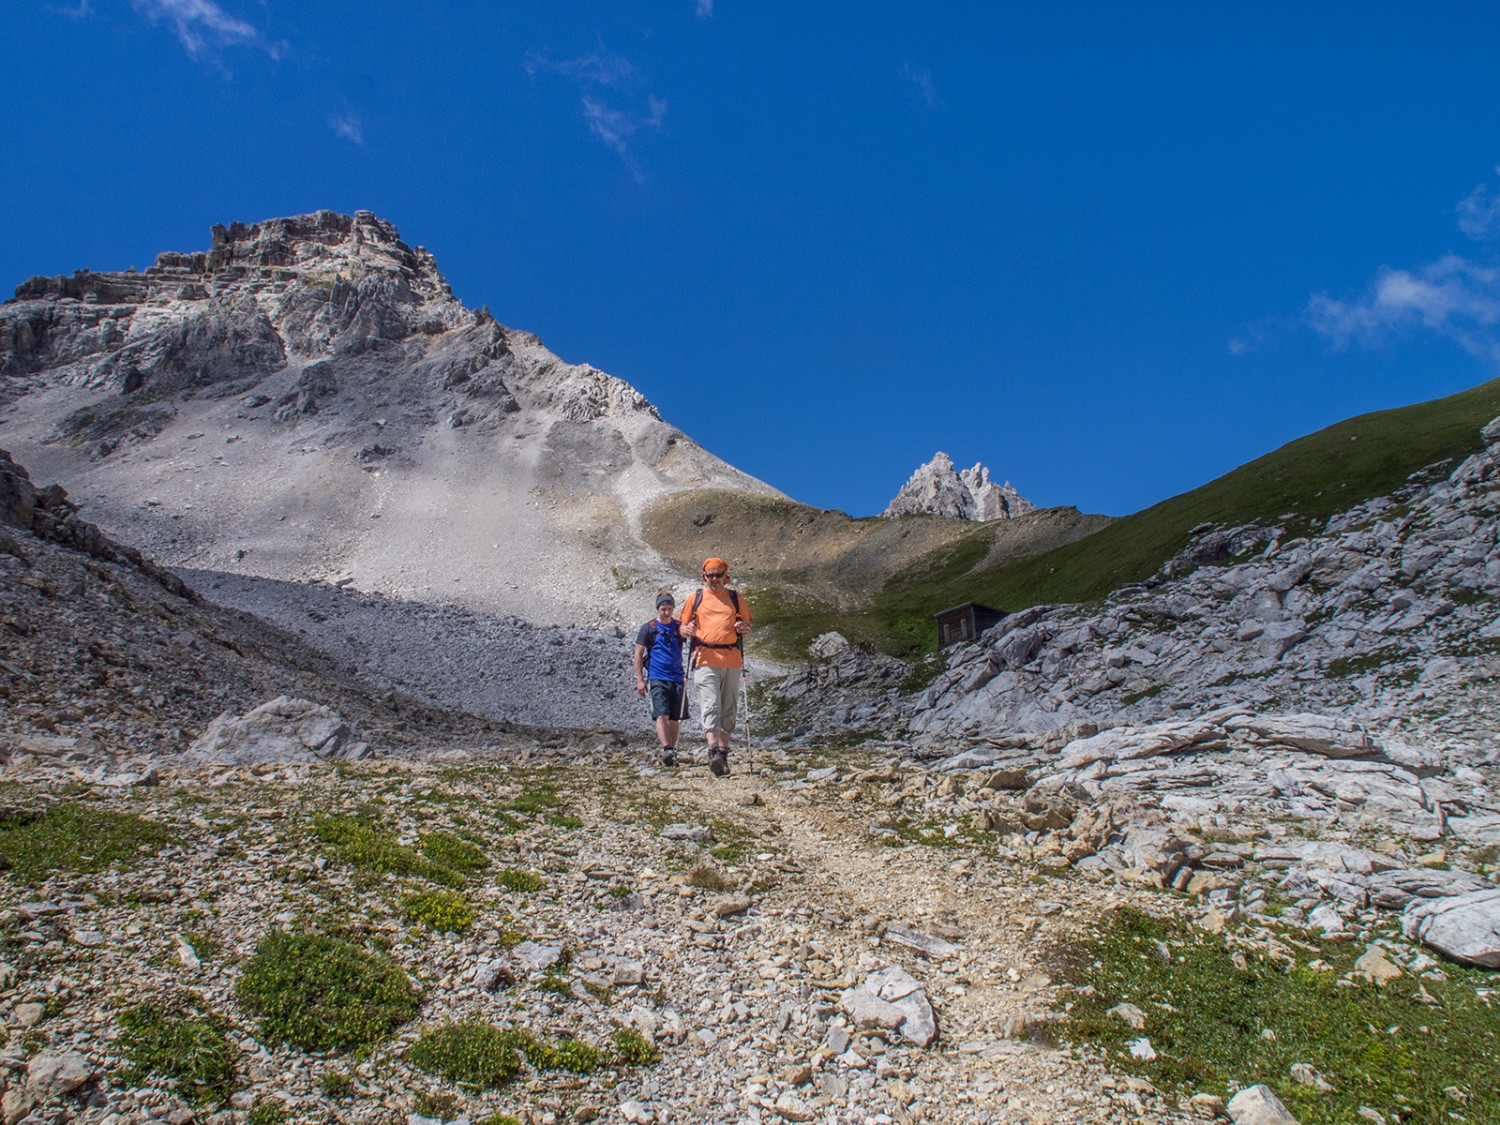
(1308, 1075)
(1376, 967)
(1130, 1014)
(799, 1075)
(1141, 1049)
(29, 1014)
(730, 905)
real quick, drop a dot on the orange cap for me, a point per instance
(716, 564)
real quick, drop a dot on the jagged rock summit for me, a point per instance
(307, 400)
(937, 490)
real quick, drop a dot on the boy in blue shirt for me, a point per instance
(658, 663)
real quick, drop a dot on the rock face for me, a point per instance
(1386, 615)
(936, 489)
(306, 400)
(1466, 927)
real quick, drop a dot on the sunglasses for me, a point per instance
(715, 574)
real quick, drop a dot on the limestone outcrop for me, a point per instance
(936, 489)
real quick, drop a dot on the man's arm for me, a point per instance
(640, 670)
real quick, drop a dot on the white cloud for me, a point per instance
(1479, 214)
(201, 24)
(613, 95)
(922, 79)
(348, 126)
(1453, 297)
(704, 9)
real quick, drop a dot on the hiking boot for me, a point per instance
(718, 762)
(669, 755)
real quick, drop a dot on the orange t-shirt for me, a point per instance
(716, 617)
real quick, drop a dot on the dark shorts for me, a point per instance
(667, 700)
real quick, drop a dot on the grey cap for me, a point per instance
(665, 599)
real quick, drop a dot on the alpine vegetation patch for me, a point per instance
(442, 911)
(520, 879)
(322, 993)
(1198, 1012)
(366, 846)
(192, 1050)
(76, 837)
(475, 1054)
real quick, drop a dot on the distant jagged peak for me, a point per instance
(937, 489)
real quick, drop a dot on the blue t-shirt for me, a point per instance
(663, 644)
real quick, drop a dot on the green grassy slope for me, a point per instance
(1299, 485)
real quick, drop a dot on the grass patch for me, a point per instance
(556, 985)
(366, 846)
(1206, 1019)
(73, 837)
(1342, 667)
(190, 1049)
(447, 912)
(322, 993)
(728, 853)
(1145, 693)
(267, 1111)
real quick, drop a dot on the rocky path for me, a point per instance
(973, 929)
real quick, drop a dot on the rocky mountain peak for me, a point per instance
(322, 357)
(937, 489)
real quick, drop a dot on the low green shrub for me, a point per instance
(337, 1085)
(454, 852)
(572, 1055)
(477, 1055)
(443, 911)
(519, 879)
(192, 1051)
(366, 846)
(322, 993)
(634, 1048)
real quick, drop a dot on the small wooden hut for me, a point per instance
(965, 622)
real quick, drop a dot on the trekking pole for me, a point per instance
(745, 704)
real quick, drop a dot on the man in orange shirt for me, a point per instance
(715, 621)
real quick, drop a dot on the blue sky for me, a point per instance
(1109, 250)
